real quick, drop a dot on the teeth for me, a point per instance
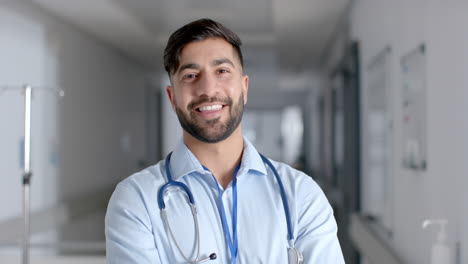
(210, 108)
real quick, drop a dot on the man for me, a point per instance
(241, 216)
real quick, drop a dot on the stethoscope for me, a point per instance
(294, 256)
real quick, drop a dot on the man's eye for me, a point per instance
(222, 71)
(190, 76)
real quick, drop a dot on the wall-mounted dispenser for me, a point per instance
(440, 252)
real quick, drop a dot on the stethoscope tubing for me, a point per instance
(171, 182)
(283, 197)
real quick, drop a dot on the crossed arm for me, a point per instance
(130, 238)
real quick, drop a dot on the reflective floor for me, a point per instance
(79, 241)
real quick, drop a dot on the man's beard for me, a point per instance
(214, 130)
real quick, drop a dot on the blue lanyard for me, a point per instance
(232, 242)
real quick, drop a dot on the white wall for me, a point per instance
(88, 140)
(440, 191)
(171, 129)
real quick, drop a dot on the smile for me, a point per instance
(207, 108)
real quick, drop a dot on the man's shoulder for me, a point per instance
(145, 180)
(286, 170)
(295, 177)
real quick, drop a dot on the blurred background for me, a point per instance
(365, 96)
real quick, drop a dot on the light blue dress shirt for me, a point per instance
(135, 231)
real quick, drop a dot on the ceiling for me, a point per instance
(290, 35)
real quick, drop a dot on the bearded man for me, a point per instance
(215, 198)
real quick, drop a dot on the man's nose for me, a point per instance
(207, 85)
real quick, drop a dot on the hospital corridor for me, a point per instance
(367, 97)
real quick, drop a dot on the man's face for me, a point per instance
(208, 90)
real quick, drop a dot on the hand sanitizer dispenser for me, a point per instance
(440, 253)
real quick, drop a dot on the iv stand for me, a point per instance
(27, 174)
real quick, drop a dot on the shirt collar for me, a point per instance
(251, 160)
(183, 162)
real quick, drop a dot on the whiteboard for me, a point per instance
(414, 135)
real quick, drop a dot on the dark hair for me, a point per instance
(197, 31)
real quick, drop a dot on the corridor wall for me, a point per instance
(86, 141)
(439, 191)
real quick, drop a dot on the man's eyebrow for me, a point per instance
(188, 66)
(221, 61)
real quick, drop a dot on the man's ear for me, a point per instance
(170, 94)
(245, 87)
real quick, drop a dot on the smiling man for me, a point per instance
(215, 198)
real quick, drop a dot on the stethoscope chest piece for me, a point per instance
(294, 256)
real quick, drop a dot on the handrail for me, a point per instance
(369, 244)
